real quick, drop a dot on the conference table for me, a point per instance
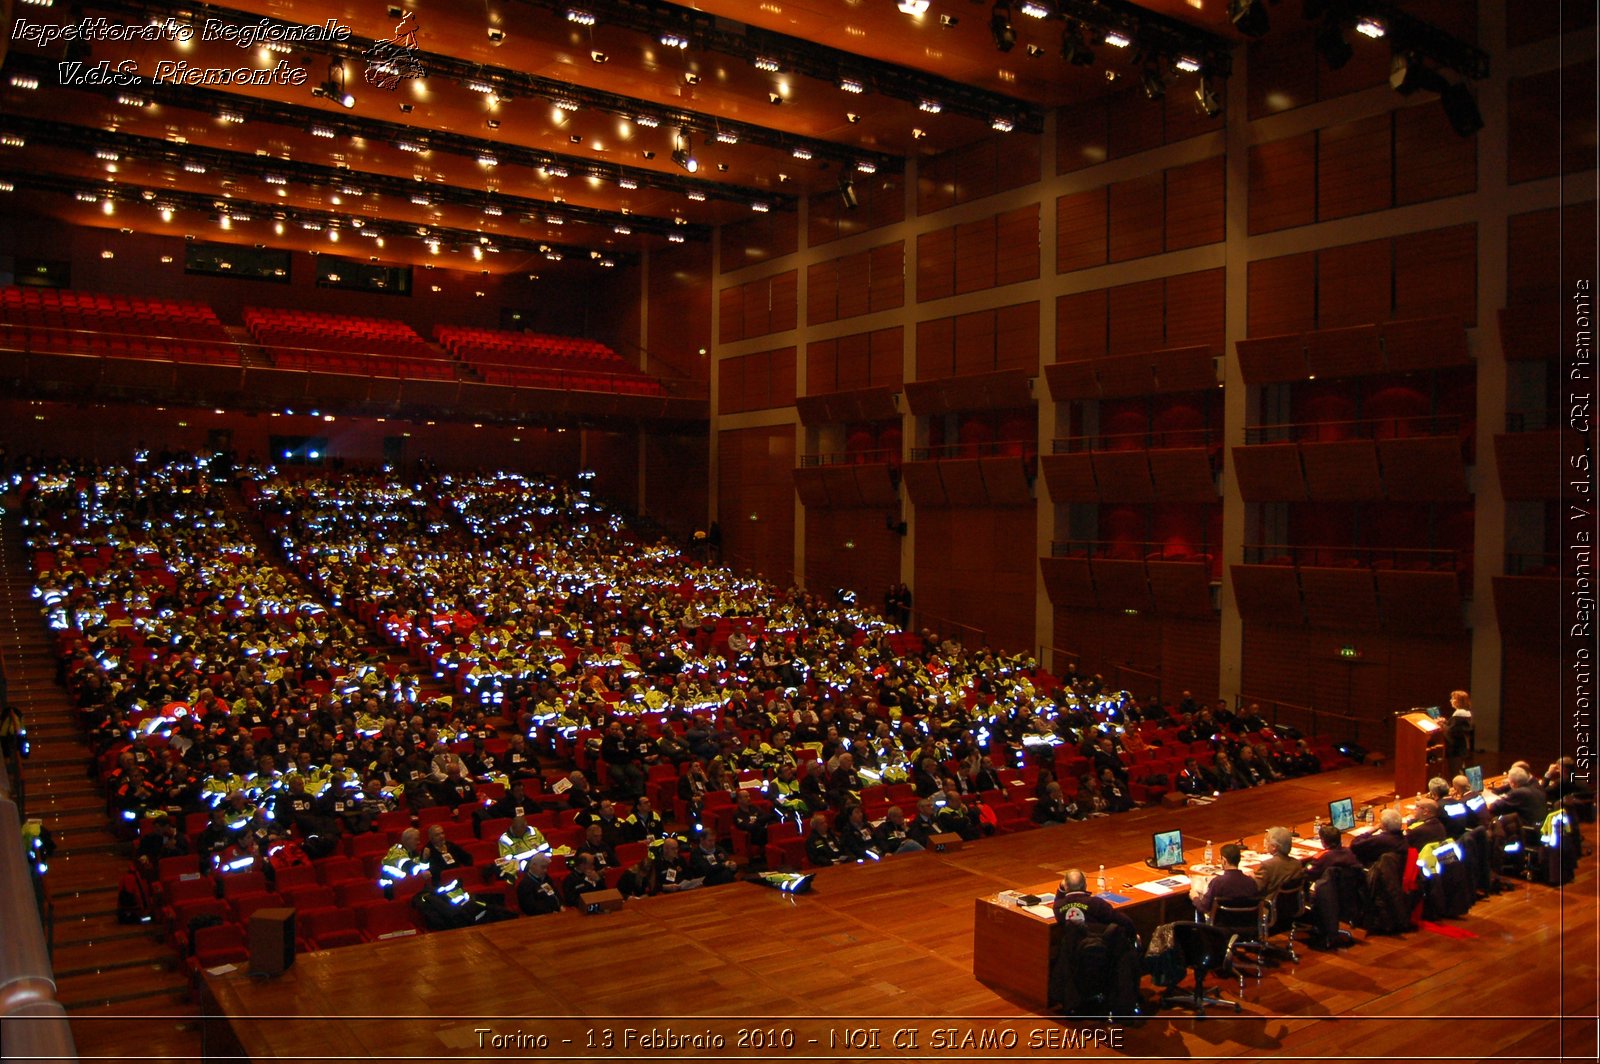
(1013, 943)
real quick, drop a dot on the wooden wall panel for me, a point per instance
(1016, 338)
(975, 255)
(759, 238)
(968, 569)
(676, 481)
(880, 201)
(1437, 272)
(855, 361)
(1194, 309)
(851, 549)
(936, 342)
(1135, 218)
(1135, 318)
(1081, 229)
(785, 299)
(886, 348)
(822, 292)
(1531, 701)
(758, 381)
(1196, 204)
(1392, 673)
(1282, 294)
(1551, 119)
(679, 308)
(855, 282)
(1353, 284)
(754, 477)
(1017, 245)
(1354, 167)
(1430, 160)
(936, 257)
(1081, 325)
(822, 367)
(730, 385)
(1183, 652)
(1081, 131)
(1533, 275)
(974, 342)
(730, 310)
(1283, 187)
(1135, 125)
(1283, 71)
(887, 264)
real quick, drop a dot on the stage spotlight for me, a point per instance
(681, 154)
(1073, 48)
(1249, 16)
(847, 192)
(1000, 27)
(1206, 98)
(1153, 81)
(1408, 74)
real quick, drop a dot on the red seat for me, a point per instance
(241, 884)
(313, 897)
(359, 892)
(331, 928)
(296, 876)
(217, 945)
(389, 919)
(336, 870)
(249, 903)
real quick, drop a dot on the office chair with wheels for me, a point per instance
(1283, 909)
(1246, 920)
(1206, 948)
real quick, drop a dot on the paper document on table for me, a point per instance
(1044, 912)
(1163, 886)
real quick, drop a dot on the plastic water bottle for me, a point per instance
(1208, 852)
(1316, 825)
(1100, 881)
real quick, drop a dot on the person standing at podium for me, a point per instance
(1458, 735)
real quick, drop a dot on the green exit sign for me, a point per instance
(1349, 651)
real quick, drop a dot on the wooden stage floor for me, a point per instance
(885, 950)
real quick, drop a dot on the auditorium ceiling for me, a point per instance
(589, 130)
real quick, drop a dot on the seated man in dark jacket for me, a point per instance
(711, 862)
(1427, 826)
(822, 845)
(536, 891)
(1074, 904)
(1231, 885)
(1389, 838)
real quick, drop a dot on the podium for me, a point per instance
(1418, 752)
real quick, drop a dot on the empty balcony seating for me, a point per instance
(334, 343)
(533, 360)
(88, 323)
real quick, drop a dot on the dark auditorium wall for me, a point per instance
(756, 503)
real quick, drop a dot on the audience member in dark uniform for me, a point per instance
(1053, 808)
(924, 825)
(639, 879)
(671, 869)
(1525, 798)
(455, 789)
(751, 819)
(536, 891)
(1115, 792)
(584, 879)
(643, 823)
(855, 835)
(596, 846)
(894, 834)
(1074, 904)
(709, 861)
(822, 845)
(444, 858)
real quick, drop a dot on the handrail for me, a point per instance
(1121, 550)
(1152, 440)
(1356, 429)
(1326, 555)
(991, 449)
(35, 1023)
(968, 635)
(831, 458)
(1313, 717)
(1124, 673)
(1058, 655)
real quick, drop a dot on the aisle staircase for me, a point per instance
(100, 965)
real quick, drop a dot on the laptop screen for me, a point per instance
(1432, 711)
(1475, 777)
(1169, 848)
(1342, 812)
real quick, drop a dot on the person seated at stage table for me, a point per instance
(1278, 870)
(1525, 798)
(1562, 789)
(822, 845)
(1389, 838)
(445, 859)
(1334, 854)
(1075, 905)
(1230, 885)
(584, 879)
(1426, 825)
(894, 834)
(711, 862)
(536, 891)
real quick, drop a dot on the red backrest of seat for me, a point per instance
(238, 884)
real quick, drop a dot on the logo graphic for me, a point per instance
(392, 61)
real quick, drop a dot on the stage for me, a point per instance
(877, 961)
